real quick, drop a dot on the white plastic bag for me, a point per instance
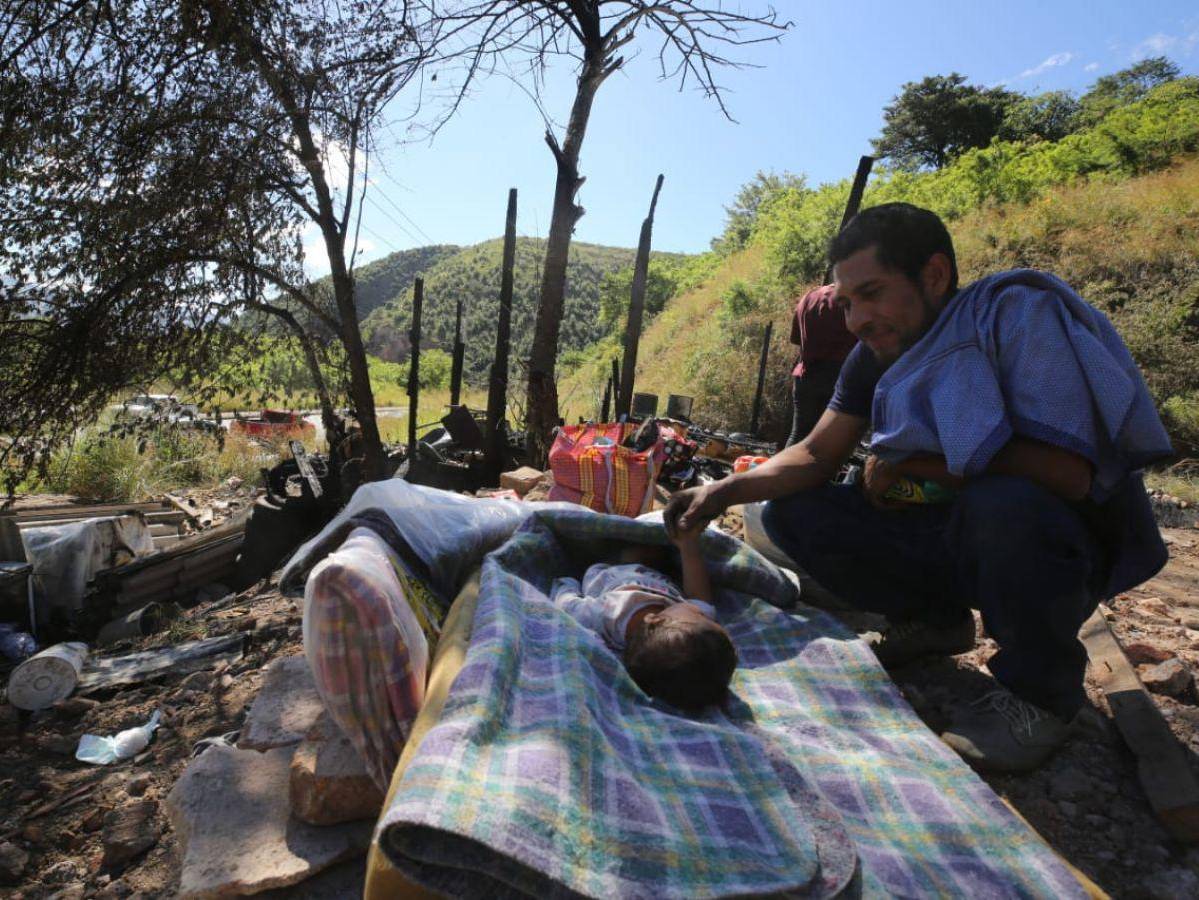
(100, 751)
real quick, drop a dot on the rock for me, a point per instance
(1171, 678)
(226, 681)
(1155, 606)
(285, 709)
(1070, 785)
(129, 830)
(1067, 809)
(76, 890)
(1140, 654)
(197, 681)
(33, 834)
(138, 783)
(12, 862)
(521, 480)
(94, 819)
(328, 782)
(233, 482)
(230, 812)
(62, 872)
(74, 707)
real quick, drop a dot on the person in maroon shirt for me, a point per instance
(819, 330)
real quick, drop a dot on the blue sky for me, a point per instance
(811, 107)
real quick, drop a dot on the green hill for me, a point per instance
(472, 274)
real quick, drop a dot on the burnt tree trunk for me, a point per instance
(418, 302)
(457, 359)
(754, 420)
(542, 403)
(632, 335)
(497, 393)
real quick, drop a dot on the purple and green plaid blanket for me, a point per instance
(549, 773)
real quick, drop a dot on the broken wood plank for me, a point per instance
(1169, 783)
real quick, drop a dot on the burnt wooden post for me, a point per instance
(418, 299)
(632, 335)
(854, 203)
(615, 389)
(753, 425)
(606, 406)
(458, 356)
(497, 394)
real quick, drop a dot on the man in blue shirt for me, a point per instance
(1011, 412)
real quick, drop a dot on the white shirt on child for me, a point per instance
(610, 594)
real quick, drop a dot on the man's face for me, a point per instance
(883, 308)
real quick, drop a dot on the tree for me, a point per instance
(1124, 87)
(615, 289)
(931, 121)
(1046, 117)
(692, 36)
(742, 214)
(160, 163)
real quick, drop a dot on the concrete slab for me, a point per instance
(230, 813)
(286, 707)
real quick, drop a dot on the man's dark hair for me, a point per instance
(688, 667)
(906, 237)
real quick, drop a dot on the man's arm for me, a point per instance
(810, 463)
(1056, 469)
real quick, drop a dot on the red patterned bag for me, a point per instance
(593, 469)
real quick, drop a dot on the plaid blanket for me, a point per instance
(549, 772)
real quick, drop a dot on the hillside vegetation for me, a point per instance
(1113, 209)
(472, 274)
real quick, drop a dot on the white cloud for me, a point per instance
(1051, 62)
(1090, 67)
(1162, 44)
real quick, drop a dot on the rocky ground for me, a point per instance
(70, 830)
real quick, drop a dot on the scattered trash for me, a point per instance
(16, 645)
(745, 463)
(229, 739)
(182, 658)
(143, 621)
(101, 751)
(50, 676)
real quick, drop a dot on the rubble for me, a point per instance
(285, 709)
(12, 862)
(1171, 678)
(129, 831)
(520, 480)
(231, 816)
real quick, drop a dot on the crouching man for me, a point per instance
(1009, 424)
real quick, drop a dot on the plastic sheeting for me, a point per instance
(449, 532)
(66, 557)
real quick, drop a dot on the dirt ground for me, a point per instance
(57, 815)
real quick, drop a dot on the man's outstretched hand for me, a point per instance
(691, 511)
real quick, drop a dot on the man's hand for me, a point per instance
(691, 510)
(879, 477)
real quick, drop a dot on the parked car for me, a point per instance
(160, 407)
(273, 423)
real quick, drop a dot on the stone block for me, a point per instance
(129, 831)
(329, 783)
(231, 816)
(521, 480)
(1171, 678)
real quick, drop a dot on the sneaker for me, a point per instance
(906, 641)
(999, 732)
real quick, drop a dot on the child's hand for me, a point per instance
(686, 540)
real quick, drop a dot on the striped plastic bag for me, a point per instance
(593, 469)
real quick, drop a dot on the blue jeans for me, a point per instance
(1005, 546)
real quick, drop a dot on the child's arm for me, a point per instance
(696, 584)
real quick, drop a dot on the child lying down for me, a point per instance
(671, 644)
